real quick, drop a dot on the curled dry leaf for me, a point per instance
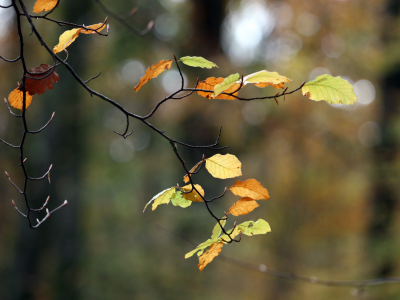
(45, 76)
(15, 98)
(210, 83)
(243, 206)
(250, 188)
(224, 166)
(209, 255)
(186, 177)
(153, 72)
(44, 5)
(193, 195)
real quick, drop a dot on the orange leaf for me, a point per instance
(43, 80)
(193, 196)
(209, 255)
(265, 84)
(249, 188)
(153, 72)
(95, 28)
(44, 5)
(243, 206)
(186, 177)
(209, 84)
(16, 99)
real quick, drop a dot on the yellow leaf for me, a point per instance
(224, 166)
(232, 233)
(66, 39)
(209, 255)
(250, 188)
(193, 196)
(186, 177)
(210, 83)
(265, 78)
(94, 28)
(153, 72)
(44, 5)
(243, 206)
(15, 98)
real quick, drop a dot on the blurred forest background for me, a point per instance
(332, 171)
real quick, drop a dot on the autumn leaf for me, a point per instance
(197, 61)
(161, 198)
(243, 206)
(264, 78)
(186, 177)
(179, 200)
(153, 72)
(93, 29)
(15, 98)
(333, 90)
(200, 248)
(234, 232)
(45, 77)
(209, 255)
(193, 195)
(249, 188)
(253, 228)
(224, 166)
(44, 5)
(226, 84)
(210, 83)
(217, 230)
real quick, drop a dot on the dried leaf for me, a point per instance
(333, 90)
(243, 206)
(226, 84)
(15, 98)
(161, 198)
(44, 80)
(253, 228)
(217, 230)
(210, 83)
(264, 78)
(44, 5)
(193, 195)
(224, 166)
(93, 29)
(209, 255)
(153, 72)
(197, 61)
(250, 188)
(186, 177)
(179, 200)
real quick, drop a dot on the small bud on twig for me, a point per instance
(47, 200)
(24, 160)
(37, 220)
(8, 176)
(234, 225)
(48, 176)
(65, 203)
(47, 211)
(14, 203)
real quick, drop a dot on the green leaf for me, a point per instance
(333, 90)
(226, 84)
(217, 230)
(225, 238)
(200, 247)
(178, 200)
(161, 198)
(197, 61)
(253, 228)
(265, 77)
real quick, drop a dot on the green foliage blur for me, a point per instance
(332, 171)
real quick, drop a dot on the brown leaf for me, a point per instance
(193, 196)
(250, 188)
(186, 177)
(153, 72)
(44, 80)
(209, 255)
(15, 98)
(209, 84)
(243, 206)
(44, 5)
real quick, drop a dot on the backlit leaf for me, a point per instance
(253, 228)
(197, 61)
(226, 84)
(44, 5)
(250, 188)
(209, 255)
(232, 232)
(200, 247)
(224, 166)
(186, 177)
(333, 90)
(210, 83)
(217, 230)
(153, 72)
(45, 77)
(179, 200)
(243, 206)
(264, 78)
(93, 29)
(193, 195)
(161, 198)
(15, 98)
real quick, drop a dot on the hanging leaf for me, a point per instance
(232, 232)
(224, 166)
(153, 72)
(226, 84)
(209, 255)
(243, 206)
(161, 198)
(193, 195)
(200, 247)
(93, 29)
(179, 200)
(333, 90)
(197, 61)
(253, 228)
(217, 230)
(210, 83)
(186, 177)
(45, 79)
(15, 98)
(249, 188)
(264, 78)
(44, 5)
